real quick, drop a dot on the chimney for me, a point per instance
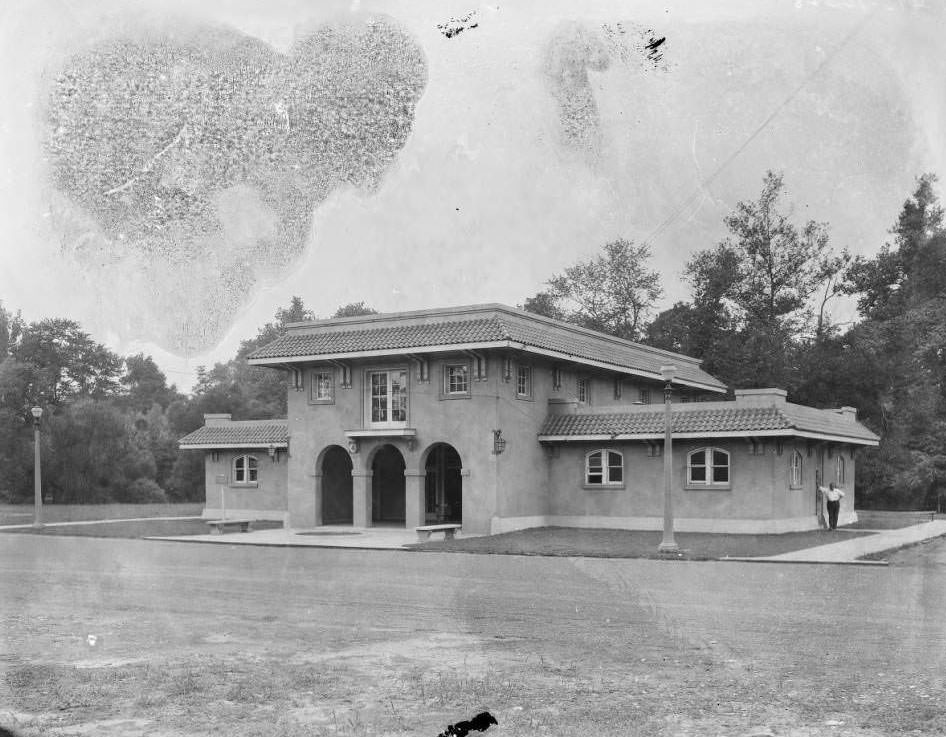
(848, 413)
(222, 419)
(760, 397)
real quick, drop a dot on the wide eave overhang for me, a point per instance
(782, 433)
(232, 446)
(286, 361)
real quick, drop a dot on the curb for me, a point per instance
(786, 561)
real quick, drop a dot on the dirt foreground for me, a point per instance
(135, 638)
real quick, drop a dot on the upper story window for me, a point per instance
(708, 467)
(643, 396)
(387, 400)
(604, 468)
(323, 386)
(245, 470)
(456, 380)
(795, 476)
(582, 389)
(524, 382)
(839, 470)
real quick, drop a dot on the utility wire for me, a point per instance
(674, 215)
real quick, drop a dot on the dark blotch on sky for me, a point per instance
(574, 51)
(571, 53)
(456, 26)
(202, 154)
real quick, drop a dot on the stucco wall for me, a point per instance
(264, 500)
(749, 495)
(464, 423)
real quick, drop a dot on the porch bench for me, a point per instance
(219, 526)
(449, 531)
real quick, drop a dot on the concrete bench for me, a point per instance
(449, 531)
(219, 526)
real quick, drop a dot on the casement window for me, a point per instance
(604, 468)
(387, 397)
(581, 389)
(322, 390)
(456, 380)
(839, 470)
(245, 470)
(643, 396)
(795, 472)
(708, 468)
(524, 382)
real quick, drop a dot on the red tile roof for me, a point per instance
(471, 327)
(710, 419)
(239, 434)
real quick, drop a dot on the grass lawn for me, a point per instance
(568, 541)
(22, 514)
(135, 529)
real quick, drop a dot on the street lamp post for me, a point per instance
(668, 544)
(37, 413)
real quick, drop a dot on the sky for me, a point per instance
(520, 138)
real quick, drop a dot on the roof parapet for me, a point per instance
(769, 397)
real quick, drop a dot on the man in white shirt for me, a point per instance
(833, 495)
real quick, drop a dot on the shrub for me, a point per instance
(145, 491)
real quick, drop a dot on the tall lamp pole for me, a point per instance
(37, 413)
(668, 544)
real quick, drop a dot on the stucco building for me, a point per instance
(501, 419)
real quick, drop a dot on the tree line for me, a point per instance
(758, 315)
(110, 424)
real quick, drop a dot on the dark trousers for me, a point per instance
(833, 509)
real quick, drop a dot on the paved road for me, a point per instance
(872, 631)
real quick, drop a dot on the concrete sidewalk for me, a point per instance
(849, 551)
(328, 536)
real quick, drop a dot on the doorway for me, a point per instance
(388, 487)
(336, 487)
(444, 485)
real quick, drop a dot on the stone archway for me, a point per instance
(388, 499)
(443, 485)
(335, 469)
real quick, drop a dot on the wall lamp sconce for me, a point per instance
(272, 452)
(499, 442)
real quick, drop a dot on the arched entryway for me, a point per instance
(444, 485)
(336, 486)
(388, 487)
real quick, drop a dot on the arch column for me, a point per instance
(318, 498)
(361, 498)
(415, 498)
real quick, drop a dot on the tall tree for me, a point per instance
(613, 292)
(10, 328)
(92, 456)
(902, 346)
(146, 384)
(760, 282)
(354, 309)
(67, 363)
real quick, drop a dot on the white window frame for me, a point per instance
(643, 396)
(317, 385)
(709, 466)
(606, 470)
(389, 405)
(796, 470)
(449, 393)
(524, 376)
(250, 470)
(582, 387)
(839, 470)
